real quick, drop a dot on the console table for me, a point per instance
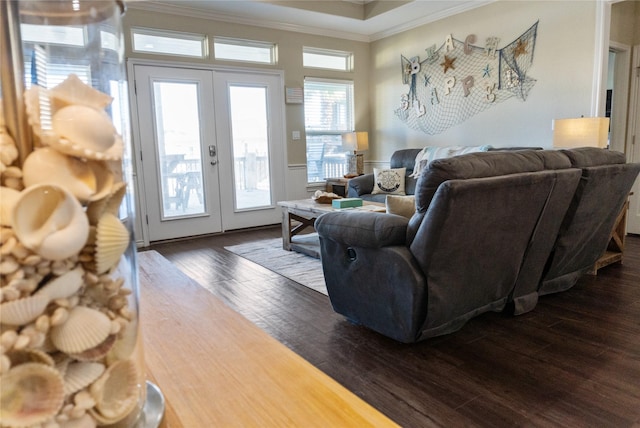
(217, 369)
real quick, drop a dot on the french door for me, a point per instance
(211, 149)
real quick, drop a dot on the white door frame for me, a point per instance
(142, 235)
(620, 100)
(633, 141)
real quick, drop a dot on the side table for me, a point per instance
(338, 185)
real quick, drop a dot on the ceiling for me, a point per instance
(363, 20)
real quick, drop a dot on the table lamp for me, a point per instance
(581, 132)
(355, 141)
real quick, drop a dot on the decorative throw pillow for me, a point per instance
(389, 181)
(401, 205)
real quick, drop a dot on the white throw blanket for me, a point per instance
(429, 154)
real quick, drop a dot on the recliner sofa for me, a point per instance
(484, 228)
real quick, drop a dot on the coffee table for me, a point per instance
(300, 214)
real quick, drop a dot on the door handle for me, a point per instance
(212, 153)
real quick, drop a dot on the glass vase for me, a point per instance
(71, 348)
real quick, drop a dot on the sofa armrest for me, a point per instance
(361, 185)
(362, 229)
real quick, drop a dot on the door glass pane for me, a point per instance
(250, 146)
(178, 145)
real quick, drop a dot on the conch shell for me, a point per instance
(50, 221)
(74, 91)
(85, 180)
(31, 393)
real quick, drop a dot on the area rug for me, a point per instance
(298, 267)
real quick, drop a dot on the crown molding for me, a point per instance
(429, 19)
(235, 19)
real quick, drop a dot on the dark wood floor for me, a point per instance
(574, 361)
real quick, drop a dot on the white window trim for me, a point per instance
(348, 56)
(202, 38)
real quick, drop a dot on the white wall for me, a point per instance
(563, 66)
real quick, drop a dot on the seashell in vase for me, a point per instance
(110, 203)
(84, 329)
(23, 356)
(31, 393)
(112, 240)
(50, 221)
(8, 198)
(79, 375)
(116, 392)
(64, 286)
(74, 91)
(86, 133)
(22, 311)
(85, 180)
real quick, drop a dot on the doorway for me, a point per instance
(211, 147)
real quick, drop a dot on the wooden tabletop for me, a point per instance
(217, 369)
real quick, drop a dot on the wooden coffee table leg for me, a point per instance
(286, 230)
(289, 231)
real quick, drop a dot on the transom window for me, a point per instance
(165, 42)
(328, 113)
(244, 50)
(326, 58)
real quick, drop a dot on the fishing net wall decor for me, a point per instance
(459, 79)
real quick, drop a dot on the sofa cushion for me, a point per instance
(478, 165)
(401, 205)
(484, 164)
(584, 157)
(429, 154)
(389, 181)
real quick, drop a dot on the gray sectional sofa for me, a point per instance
(491, 232)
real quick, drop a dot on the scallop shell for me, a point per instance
(31, 394)
(50, 221)
(86, 133)
(111, 242)
(85, 328)
(22, 356)
(108, 204)
(22, 311)
(96, 353)
(116, 392)
(8, 198)
(47, 165)
(63, 286)
(79, 375)
(74, 91)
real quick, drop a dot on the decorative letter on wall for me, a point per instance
(486, 79)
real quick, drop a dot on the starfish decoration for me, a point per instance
(486, 72)
(448, 63)
(427, 80)
(520, 49)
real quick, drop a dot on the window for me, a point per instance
(325, 58)
(328, 113)
(166, 42)
(244, 50)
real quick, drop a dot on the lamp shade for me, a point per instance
(581, 132)
(355, 141)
